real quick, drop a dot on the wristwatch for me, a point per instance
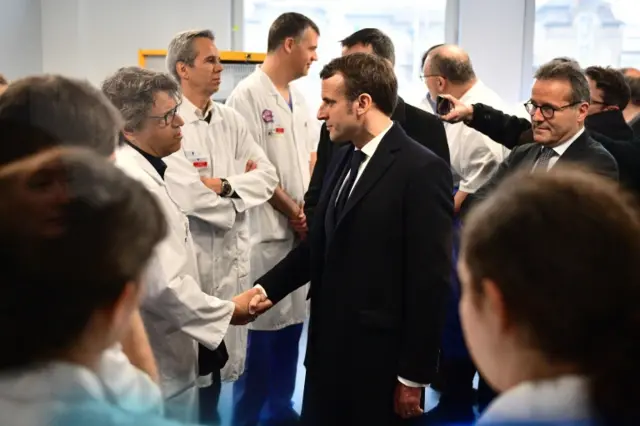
(226, 188)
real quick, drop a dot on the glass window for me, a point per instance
(594, 32)
(413, 25)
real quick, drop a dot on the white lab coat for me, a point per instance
(474, 156)
(219, 225)
(288, 138)
(60, 393)
(175, 310)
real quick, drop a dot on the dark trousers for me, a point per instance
(264, 391)
(209, 398)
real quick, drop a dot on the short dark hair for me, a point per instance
(634, 88)
(380, 43)
(365, 73)
(615, 90)
(455, 68)
(563, 247)
(570, 73)
(106, 228)
(290, 24)
(3, 80)
(429, 50)
(42, 112)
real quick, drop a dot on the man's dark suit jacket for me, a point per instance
(421, 126)
(379, 278)
(508, 130)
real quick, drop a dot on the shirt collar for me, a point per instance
(562, 148)
(370, 148)
(157, 163)
(472, 93)
(191, 113)
(634, 120)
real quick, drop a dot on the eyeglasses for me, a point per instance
(547, 111)
(424, 77)
(169, 116)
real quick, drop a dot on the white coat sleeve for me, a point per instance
(131, 389)
(193, 196)
(180, 300)
(256, 187)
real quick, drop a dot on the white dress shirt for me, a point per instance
(368, 150)
(563, 399)
(474, 156)
(561, 149)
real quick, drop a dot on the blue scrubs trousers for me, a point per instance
(263, 393)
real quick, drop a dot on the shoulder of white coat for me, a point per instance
(245, 86)
(127, 161)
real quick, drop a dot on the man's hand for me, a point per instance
(214, 184)
(259, 304)
(299, 223)
(243, 313)
(459, 111)
(407, 401)
(251, 166)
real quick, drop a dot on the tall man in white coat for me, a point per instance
(218, 175)
(282, 124)
(178, 314)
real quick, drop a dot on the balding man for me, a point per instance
(474, 157)
(447, 70)
(632, 111)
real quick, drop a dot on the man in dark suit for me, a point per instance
(421, 126)
(558, 106)
(632, 111)
(377, 256)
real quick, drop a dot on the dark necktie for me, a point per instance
(356, 159)
(546, 154)
(207, 118)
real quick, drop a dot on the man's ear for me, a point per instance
(182, 70)
(288, 44)
(364, 103)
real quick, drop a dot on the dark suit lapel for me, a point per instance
(375, 169)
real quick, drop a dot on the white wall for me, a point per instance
(20, 38)
(494, 35)
(92, 38)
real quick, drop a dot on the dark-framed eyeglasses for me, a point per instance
(547, 111)
(169, 116)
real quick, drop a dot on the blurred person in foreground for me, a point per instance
(70, 285)
(550, 291)
(42, 112)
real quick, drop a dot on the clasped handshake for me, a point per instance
(249, 305)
